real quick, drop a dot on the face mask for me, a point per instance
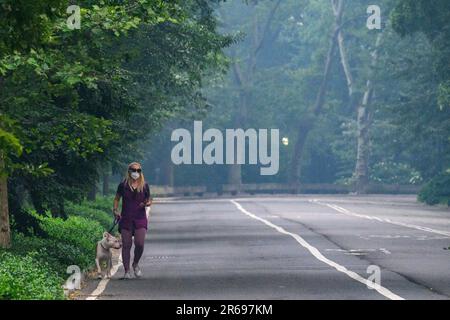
(135, 175)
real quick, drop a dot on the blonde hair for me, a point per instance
(129, 180)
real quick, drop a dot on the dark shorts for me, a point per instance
(133, 225)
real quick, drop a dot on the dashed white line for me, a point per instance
(319, 256)
(359, 252)
(385, 220)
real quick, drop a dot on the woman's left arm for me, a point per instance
(149, 200)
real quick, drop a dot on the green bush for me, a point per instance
(35, 267)
(437, 190)
(24, 278)
(101, 203)
(57, 254)
(77, 231)
(394, 173)
(104, 218)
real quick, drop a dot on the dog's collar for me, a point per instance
(101, 243)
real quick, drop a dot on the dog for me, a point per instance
(104, 253)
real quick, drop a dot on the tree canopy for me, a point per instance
(75, 101)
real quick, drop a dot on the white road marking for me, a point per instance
(369, 237)
(407, 225)
(319, 256)
(415, 237)
(423, 238)
(103, 283)
(359, 252)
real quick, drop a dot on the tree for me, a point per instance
(8, 144)
(82, 89)
(21, 26)
(431, 18)
(306, 124)
(363, 110)
(244, 67)
(403, 134)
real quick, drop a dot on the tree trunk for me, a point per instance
(343, 54)
(234, 176)
(361, 174)
(235, 170)
(106, 179)
(345, 65)
(106, 184)
(364, 114)
(168, 176)
(363, 148)
(58, 210)
(306, 125)
(5, 231)
(92, 193)
(245, 81)
(294, 177)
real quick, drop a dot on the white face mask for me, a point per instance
(135, 175)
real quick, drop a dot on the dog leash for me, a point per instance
(116, 221)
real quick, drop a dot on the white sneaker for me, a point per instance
(137, 271)
(127, 276)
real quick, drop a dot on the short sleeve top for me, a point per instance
(133, 215)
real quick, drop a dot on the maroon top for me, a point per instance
(133, 216)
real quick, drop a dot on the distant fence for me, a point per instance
(279, 188)
(166, 191)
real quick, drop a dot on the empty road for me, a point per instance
(290, 247)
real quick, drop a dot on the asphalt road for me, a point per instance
(305, 247)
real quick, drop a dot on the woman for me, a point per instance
(135, 194)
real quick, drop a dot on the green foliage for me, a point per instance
(97, 212)
(83, 98)
(24, 23)
(395, 173)
(66, 242)
(409, 111)
(9, 144)
(437, 190)
(77, 231)
(412, 16)
(432, 19)
(57, 254)
(24, 278)
(101, 203)
(40, 261)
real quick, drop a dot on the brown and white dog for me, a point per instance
(104, 253)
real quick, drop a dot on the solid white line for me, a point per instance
(103, 283)
(319, 256)
(385, 220)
